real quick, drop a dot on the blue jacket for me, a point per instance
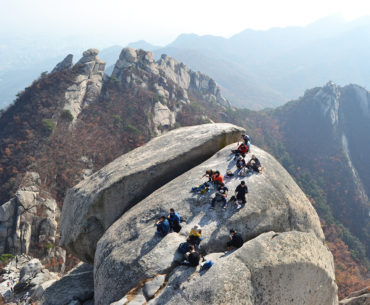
(164, 227)
(175, 217)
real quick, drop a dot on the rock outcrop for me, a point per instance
(138, 67)
(78, 284)
(88, 83)
(28, 224)
(96, 202)
(65, 64)
(361, 297)
(24, 278)
(171, 70)
(130, 251)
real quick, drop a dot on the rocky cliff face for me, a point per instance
(326, 133)
(28, 224)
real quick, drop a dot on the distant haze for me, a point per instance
(159, 22)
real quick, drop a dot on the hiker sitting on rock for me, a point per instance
(174, 220)
(254, 164)
(240, 163)
(221, 195)
(163, 226)
(195, 236)
(217, 179)
(209, 173)
(242, 150)
(192, 257)
(236, 240)
(240, 192)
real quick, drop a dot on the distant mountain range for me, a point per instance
(256, 69)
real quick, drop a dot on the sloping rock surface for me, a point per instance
(78, 285)
(129, 251)
(96, 202)
(274, 269)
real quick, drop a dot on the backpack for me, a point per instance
(183, 248)
(176, 227)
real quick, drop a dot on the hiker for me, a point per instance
(192, 257)
(174, 220)
(203, 188)
(240, 193)
(236, 240)
(195, 236)
(209, 173)
(245, 138)
(254, 164)
(163, 226)
(221, 195)
(217, 178)
(240, 163)
(242, 150)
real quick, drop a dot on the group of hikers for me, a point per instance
(171, 223)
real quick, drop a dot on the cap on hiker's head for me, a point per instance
(253, 156)
(232, 231)
(243, 182)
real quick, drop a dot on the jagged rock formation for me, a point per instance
(88, 83)
(130, 252)
(28, 279)
(96, 202)
(169, 72)
(28, 224)
(361, 297)
(65, 64)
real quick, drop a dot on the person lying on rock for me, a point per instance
(195, 236)
(240, 192)
(192, 257)
(174, 220)
(217, 179)
(163, 226)
(221, 195)
(236, 240)
(254, 164)
(242, 150)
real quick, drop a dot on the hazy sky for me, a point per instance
(160, 21)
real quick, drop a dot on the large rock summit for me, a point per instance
(96, 202)
(283, 260)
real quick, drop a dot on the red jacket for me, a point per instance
(243, 148)
(217, 179)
